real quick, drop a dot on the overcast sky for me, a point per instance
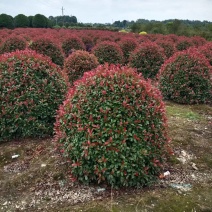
(108, 11)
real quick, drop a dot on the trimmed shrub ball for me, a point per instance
(46, 46)
(79, 62)
(198, 41)
(12, 44)
(112, 128)
(168, 46)
(31, 88)
(207, 51)
(72, 43)
(147, 59)
(128, 45)
(108, 52)
(186, 78)
(184, 43)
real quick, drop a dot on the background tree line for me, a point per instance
(37, 21)
(171, 26)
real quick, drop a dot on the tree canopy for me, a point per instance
(6, 21)
(39, 21)
(21, 21)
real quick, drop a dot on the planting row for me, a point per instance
(108, 120)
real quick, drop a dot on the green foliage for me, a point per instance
(173, 26)
(46, 46)
(30, 18)
(186, 78)
(63, 20)
(79, 62)
(147, 58)
(112, 128)
(31, 88)
(13, 43)
(108, 52)
(6, 21)
(135, 27)
(21, 21)
(39, 21)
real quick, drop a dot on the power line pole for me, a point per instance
(62, 11)
(63, 14)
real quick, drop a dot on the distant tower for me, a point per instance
(63, 14)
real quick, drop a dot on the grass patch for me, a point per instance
(189, 129)
(182, 111)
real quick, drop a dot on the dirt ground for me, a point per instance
(33, 176)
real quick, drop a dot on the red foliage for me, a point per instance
(147, 59)
(186, 78)
(127, 45)
(108, 52)
(207, 51)
(72, 43)
(112, 118)
(31, 89)
(12, 44)
(183, 43)
(168, 46)
(48, 46)
(79, 62)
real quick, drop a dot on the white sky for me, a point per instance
(108, 11)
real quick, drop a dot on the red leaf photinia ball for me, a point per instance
(31, 89)
(186, 78)
(147, 59)
(108, 52)
(113, 118)
(79, 62)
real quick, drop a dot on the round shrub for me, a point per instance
(128, 45)
(112, 128)
(79, 62)
(47, 47)
(168, 46)
(88, 43)
(186, 78)
(108, 52)
(105, 38)
(123, 31)
(147, 58)
(198, 41)
(207, 51)
(71, 44)
(142, 33)
(31, 88)
(12, 44)
(183, 43)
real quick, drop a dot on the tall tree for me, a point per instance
(174, 26)
(135, 27)
(30, 18)
(39, 21)
(21, 21)
(6, 21)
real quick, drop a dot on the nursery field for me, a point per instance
(37, 180)
(103, 121)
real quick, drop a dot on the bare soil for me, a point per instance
(37, 179)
